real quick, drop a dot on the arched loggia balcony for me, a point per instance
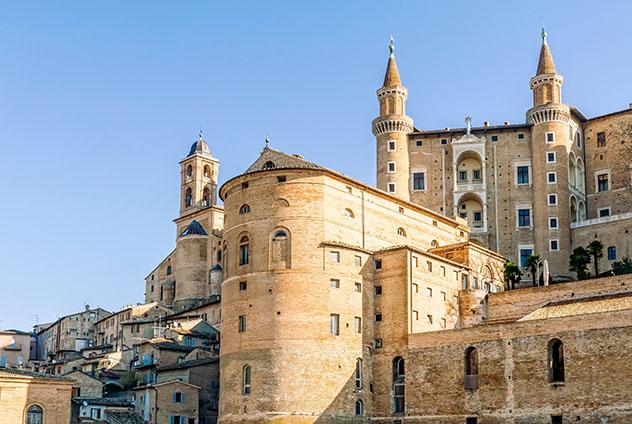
(471, 208)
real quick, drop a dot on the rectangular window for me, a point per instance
(429, 266)
(415, 287)
(601, 139)
(335, 284)
(602, 182)
(522, 174)
(357, 260)
(550, 157)
(442, 270)
(476, 175)
(464, 281)
(478, 216)
(524, 254)
(602, 212)
(462, 175)
(390, 167)
(416, 315)
(463, 215)
(391, 145)
(550, 137)
(419, 180)
(178, 397)
(475, 282)
(242, 323)
(357, 325)
(244, 184)
(443, 323)
(520, 136)
(416, 261)
(553, 224)
(444, 296)
(334, 324)
(456, 275)
(524, 218)
(494, 138)
(556, 419)
(429, 319)
(358, 287)
(612, 253)
(471, 420)
(554, 245)
(391, 187)
(334, 256)
(551, 177)
(378, 317)
(552, 199)
(419, 143)
(429, 291)
(281, 178)
(377, 343)
(243, 285)
(378, 264)
(378, 290)
(95, 413)
(444, 141)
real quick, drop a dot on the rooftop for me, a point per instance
(21, 373)
(188, 364)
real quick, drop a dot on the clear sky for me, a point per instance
(100, 100)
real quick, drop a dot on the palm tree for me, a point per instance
(532, 263)
(579, 260)
(512, 274)
(595, 249)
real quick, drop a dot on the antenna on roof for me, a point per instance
(267, 141)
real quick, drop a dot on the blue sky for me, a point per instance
(100, 100)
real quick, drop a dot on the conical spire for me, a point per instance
(391, 79)
(545, 64)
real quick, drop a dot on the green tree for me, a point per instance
(595, 249)
(512, 274)
(578, 261)
(129, 380)
(624, 266)
(532, 263)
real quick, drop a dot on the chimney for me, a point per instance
(486, 124)
(507, 122)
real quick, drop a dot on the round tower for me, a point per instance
(391, 131)
(191, 263)
(551, 145)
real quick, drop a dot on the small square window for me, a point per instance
(429, 291)
(243, 285)
(444, 296)
(335, 284)
(444, 141)
(378, 290)
(391, 145)
(443, 323)
(601, 139)
(334, 256)
(416, 261)
(377, 343)
(281, 179)
(416, 315)
(357, 260)
(416, 287)
(554, 245)
(550, 137)
(603, 212)
(494, 138)
(522, 174)
(552, 199)
(391, 187)
(378, 264)
(391, 167)
(551, 177)
(419, 143)
(358, 287)
(520, 136)
(245, 184)
(524, 218)
(378, 317)
(553, 224)
(550, 157)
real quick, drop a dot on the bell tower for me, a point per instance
(199, 174)
(391, 131)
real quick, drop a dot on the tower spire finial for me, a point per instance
(391, 46)
(544, 35)
(200, 134)
(267, 141)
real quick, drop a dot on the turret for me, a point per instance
(191, 270)
(391, 130)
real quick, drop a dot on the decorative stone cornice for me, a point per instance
(391, 91)
(392, 124)
(549, 113)
(545, 78)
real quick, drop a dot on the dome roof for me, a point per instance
(194, 229)
(200, 147)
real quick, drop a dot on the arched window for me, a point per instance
(471, 368)
(245, 208)
(349, 213)
(207, 171)
(169, 270)
(280, 249)
(206, 197)
(35, 415)
(188, 197)
(245, 380)
(244, 251)
(359, 408)
(556, 361)
(399, 387)
(358, 375)
(269, 165)
(401, 232)
(434, 243)
(189, 171)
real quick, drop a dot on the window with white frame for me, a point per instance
(520, 136)
(550, 157)
(602, 181)
(602, 212)
(390, 167)
(522, 173)
(550, 137)
(554, 245)
(552, 199)
(419, 181)
(524, 251)
(553, 223)
(551, 177)
(334, 324)
(391, 145)
(523, 217)
(391, 187)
